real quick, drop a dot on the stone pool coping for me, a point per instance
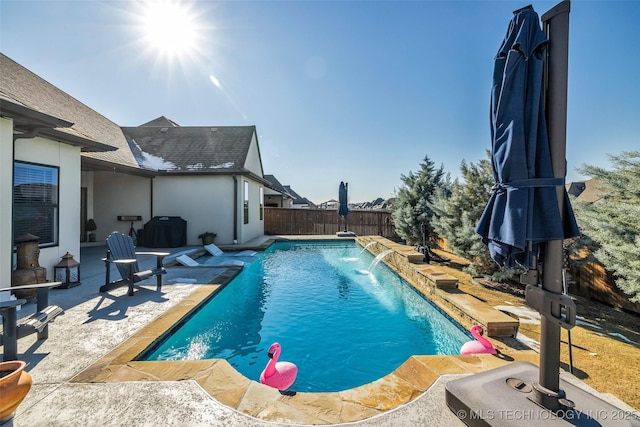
(221, 381)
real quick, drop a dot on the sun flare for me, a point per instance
(169, 27)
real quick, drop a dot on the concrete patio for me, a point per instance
(94, 324)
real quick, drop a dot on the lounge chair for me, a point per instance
(187, 261)
(121, 252)
(216, 251)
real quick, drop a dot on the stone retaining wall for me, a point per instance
(440, 287)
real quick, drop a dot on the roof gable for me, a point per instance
(161, 121)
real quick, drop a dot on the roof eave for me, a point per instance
(87, 145)
(97, 165)
(243, 172)
(26, 119)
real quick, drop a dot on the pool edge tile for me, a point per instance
(416, 373)
(382, 394)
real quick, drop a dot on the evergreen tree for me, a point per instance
(412, 213)
(614, 223)
(456, 215)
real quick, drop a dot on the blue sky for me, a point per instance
(354, 91)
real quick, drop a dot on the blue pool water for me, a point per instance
(342, 325)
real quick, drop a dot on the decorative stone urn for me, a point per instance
(28, 270)
(15, 383)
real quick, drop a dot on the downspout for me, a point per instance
(151, 195)
(235, 208)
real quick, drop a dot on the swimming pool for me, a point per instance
(343, 321)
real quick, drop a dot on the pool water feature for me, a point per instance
(378, 258)
(342, 325)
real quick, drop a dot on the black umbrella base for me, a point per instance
(502, 397)
(346, 234)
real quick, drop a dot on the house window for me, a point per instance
(261, 203)
(35, 201)
(246, 202)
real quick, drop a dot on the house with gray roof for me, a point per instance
(210, 176)
(62, 163)
(275, 194)
(283, 196)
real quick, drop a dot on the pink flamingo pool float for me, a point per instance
(276, 374)
(479, 345)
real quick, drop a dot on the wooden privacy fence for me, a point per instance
(592, 280)
(327, 221)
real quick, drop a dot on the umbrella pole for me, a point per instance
(346, 196)
(556, 26)
(565, 289)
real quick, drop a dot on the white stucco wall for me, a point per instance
(67, 158)
(252, 161)
(115, 194)
(255, 227)
(206, 203)
(6, 191)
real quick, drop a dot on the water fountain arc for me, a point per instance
(365, 248)
(378, 258)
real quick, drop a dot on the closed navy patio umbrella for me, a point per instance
(343, 208)
(529, 210)
(522, 210)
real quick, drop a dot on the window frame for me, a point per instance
(246, 201)
(30, 207)
(261, 196)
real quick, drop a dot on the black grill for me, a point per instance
(165, 232)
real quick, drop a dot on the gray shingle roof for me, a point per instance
(275, 184)
(295, 195)
(21, 85)
(221, 149)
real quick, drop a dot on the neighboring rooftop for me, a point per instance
(378, 203)
(286, 190)
(298, 199)
(274, 184)
(586, 191)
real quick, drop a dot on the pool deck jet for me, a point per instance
(85, 373)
